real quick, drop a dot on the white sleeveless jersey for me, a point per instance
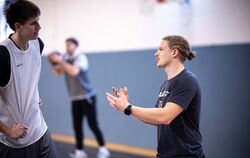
(19, 99)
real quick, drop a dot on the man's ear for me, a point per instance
(175, 52)
(17, 26)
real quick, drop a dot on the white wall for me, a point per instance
(2, 22)
(110, 25)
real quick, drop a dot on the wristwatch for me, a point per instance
(128, 110)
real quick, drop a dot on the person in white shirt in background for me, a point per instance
(83, 96)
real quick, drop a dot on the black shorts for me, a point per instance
(43, 148)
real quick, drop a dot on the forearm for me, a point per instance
(69, 68)
(148, 123)
(3, 128)
(143, 120)
(14, 132)
(57, 70)
(151, 116)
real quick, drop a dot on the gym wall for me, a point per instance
(117, 25)
(224, 78)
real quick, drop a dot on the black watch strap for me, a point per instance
(128, 110)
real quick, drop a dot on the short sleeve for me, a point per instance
(4, 66)
(183, 91)
(82, 62)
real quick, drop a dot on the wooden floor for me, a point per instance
(64, 149)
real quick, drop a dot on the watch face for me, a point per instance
(127, 111)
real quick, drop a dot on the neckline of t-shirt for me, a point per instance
(184, 70)
(19, 50)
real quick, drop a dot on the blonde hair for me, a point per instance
(180, 43)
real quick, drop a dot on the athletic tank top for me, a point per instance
(19, 99)
(79, 87)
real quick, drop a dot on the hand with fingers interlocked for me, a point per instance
(16, 131)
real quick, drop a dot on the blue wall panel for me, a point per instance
(224, 76)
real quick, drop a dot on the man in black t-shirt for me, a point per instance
(177, 110)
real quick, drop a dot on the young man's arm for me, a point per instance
(4, 66)
(152, 116)
(70, 69)
(80, 63)
(3, 128)
(54, 60)
(148, 115)
(56, 69)
(60, 66)
(178, 100)
(15, 132)
(157, 115)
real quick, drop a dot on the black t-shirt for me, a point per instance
(5, 68)
(181, 138)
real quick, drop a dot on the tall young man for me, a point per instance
(23, 131)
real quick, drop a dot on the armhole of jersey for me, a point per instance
(86, 66)
(5, 65)
(41, 45)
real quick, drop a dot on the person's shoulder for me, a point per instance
(4, 51)
(192, 76)
(186, 74)
(4, 56)
(188, 77)
(6, 42)
(81, 56)
(38, 42)
(2, 47)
